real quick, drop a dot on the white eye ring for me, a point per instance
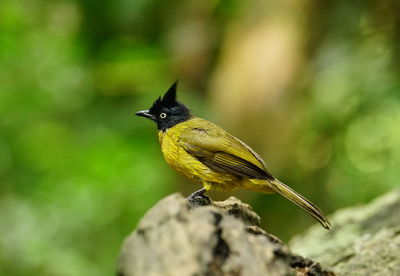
(163, 115)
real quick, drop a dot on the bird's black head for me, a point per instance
(167, 111)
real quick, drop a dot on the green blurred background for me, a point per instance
(313, 86)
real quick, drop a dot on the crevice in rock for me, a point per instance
(255, 230)
(221, 250)
(303, 266)
(344, 259)
(238, 212)
(143, 233)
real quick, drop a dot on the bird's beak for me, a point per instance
(145, 113)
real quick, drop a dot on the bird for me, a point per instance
(208, 155)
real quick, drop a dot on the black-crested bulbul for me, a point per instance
(210, 156)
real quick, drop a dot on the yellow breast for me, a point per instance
(189, 166)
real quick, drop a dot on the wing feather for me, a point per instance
(222, 152)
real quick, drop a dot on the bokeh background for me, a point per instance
(313, 86)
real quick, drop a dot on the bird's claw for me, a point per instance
(198, 198)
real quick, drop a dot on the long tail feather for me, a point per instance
(301, 201)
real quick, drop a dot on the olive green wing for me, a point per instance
(222, 152)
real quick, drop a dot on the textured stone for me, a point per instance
(365, 240)
(200, 237)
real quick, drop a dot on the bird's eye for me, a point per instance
(163, 115)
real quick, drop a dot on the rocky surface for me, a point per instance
(178, 237)
(365, 240)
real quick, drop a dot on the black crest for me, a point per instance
(166, 111)
(168, 100)
(170, 96)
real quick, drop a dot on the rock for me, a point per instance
(200, 237)
(365, 240)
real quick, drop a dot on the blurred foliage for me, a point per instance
(313, 86)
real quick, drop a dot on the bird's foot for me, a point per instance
(198, 198)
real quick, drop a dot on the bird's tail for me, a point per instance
(299, 200)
